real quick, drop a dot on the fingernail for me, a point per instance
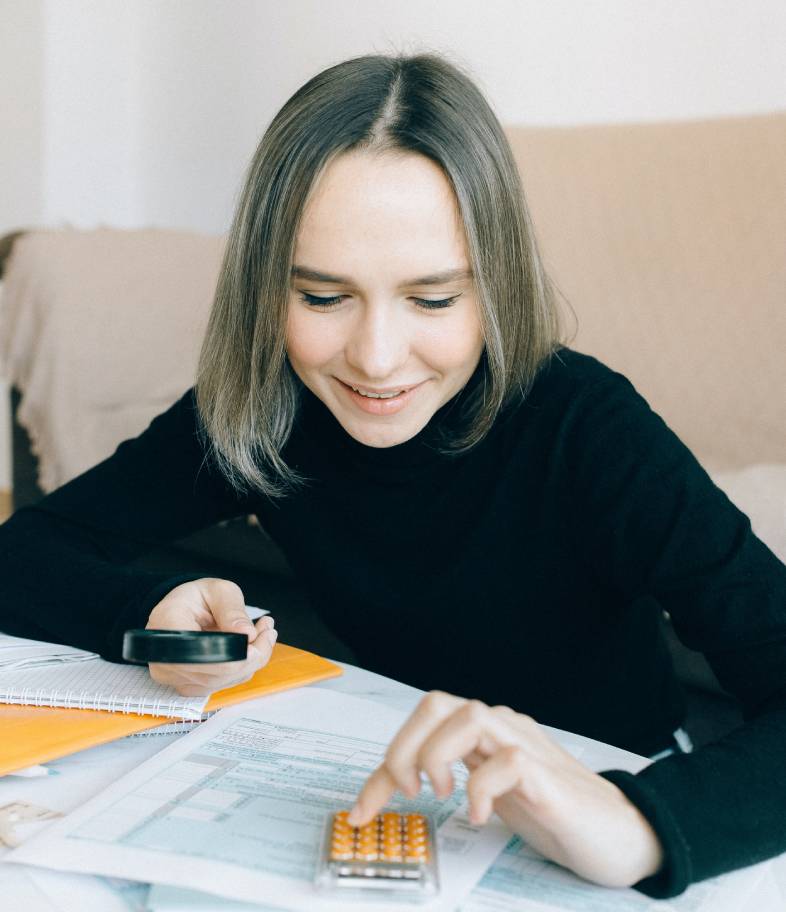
(272, 636)
(354, 816)
(270, 622)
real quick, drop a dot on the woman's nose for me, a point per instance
(378, 345)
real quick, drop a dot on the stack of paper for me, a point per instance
(237, 807)
(36, 734)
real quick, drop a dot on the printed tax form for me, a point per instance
(237, 807)
(518, 881)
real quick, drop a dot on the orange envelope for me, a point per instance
(36, 734)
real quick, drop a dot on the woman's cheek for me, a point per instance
(311, 343)
(457, 346)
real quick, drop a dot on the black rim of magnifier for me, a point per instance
(187, 646)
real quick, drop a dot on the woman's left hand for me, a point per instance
(559, 807)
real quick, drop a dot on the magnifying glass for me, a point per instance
(183, 646)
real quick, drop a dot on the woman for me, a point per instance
(473, 506)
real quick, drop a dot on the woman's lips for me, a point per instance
(387, 406)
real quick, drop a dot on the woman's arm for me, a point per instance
(649, 522)
(62, 562)
(562, 809)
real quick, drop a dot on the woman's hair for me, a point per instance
(247, 393)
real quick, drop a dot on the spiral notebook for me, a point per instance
(96, 684)
(36, 673)
(37, 734)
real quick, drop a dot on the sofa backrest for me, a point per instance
(669, 242)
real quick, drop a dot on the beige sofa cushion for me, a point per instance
(669, 240)
(101, 330)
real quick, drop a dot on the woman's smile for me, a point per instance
(381, 402)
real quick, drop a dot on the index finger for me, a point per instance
(375, 794)
(399, 769)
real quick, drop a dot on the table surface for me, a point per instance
(76, 778)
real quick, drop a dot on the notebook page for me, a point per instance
(17, 652)
(97, 684)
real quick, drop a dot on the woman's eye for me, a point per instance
(316, 301)
(319, 302)
(435, 305)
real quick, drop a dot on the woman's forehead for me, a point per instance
(393, 205)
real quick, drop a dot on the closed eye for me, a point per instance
(325, 303)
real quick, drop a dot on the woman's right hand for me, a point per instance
(216, 605)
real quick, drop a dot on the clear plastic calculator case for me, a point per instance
(394, 855)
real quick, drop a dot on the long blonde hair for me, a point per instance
(247, 393)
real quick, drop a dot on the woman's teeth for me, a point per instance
(378, 395)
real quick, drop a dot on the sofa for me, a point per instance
(667, 242)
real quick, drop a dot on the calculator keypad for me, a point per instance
(389, 837)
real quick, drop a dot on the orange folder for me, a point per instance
(36, 734)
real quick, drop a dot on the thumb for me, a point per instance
(226, 603)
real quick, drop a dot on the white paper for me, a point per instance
(16, 652)
(237, 807)
(255, 613)
(35, 890)
(523, 881)
(30, 772)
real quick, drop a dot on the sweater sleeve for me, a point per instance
(63, 562)
(651, 522)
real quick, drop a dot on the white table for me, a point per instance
(76, 778)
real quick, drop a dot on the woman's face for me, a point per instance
(383, 321)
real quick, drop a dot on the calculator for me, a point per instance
(394, 855)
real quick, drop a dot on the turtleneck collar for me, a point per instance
(417, 454)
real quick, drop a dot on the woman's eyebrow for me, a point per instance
(436, 278)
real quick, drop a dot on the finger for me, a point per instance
(187, 689)
(399, 769)
(220, 673)
(213, 671)
(266, 622)
(473, 759)
(178, 616)
(215, 675)
(182, 682)
(375, 794)
(225, 601)
(472, 727)
(262, 647)
(194, 683)
(401, 757)
(500, 774)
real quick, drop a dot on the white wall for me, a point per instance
(151, 109)
(145, 112)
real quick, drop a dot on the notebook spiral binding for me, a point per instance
(71, 699)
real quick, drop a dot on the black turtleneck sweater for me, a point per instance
(532, 570)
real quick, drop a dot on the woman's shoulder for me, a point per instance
(568, 375)
(576, 396)
(578, 368)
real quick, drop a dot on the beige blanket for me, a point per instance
(101, 330)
